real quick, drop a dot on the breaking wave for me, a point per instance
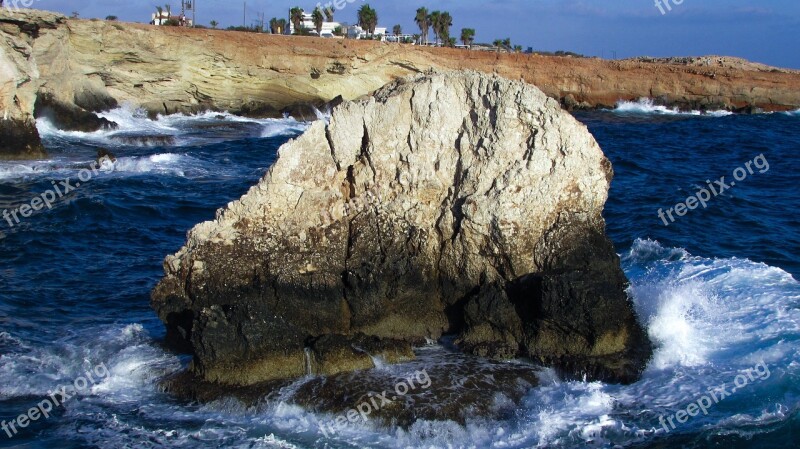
(648, 106)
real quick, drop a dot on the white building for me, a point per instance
(356, 32)
(162, 18)
(308, 23)
(401, 38)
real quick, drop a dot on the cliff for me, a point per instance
(458, 203)
(86, 65)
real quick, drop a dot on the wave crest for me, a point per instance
(648, 106)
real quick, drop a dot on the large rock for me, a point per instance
(447, 203)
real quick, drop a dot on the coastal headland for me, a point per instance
(69, 68)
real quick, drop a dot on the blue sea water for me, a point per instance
(717, 290)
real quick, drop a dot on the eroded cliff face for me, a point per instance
(87, 65)
(446, 203)
(19, 81)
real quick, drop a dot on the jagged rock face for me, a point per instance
(446, 203)
(69, 117)
(19, 80)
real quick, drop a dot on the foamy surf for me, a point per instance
(136, 129)
(710, 320)
(648, 106)
(165, 164)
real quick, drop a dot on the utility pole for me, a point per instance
(244, 15)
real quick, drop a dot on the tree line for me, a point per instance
(437, 22)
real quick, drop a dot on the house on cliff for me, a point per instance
(307, 23)
(162, 18)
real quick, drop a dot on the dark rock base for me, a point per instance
(19, 140)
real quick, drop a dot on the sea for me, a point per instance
(716, 286)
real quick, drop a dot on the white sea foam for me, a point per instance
(164, 163)
(710, 319)
(648, 106)
(172, 164)
(180, 129)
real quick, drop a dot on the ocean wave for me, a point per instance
(128, 352)
(709, 318)
(162, 163)
(648, 106)
(175, 164)
(135, 128)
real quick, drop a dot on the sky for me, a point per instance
(766, 31)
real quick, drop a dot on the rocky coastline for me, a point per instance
(76, 67)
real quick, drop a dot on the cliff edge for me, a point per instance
(76, 67)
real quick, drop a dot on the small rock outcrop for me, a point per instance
(451, 203)
(69, 117)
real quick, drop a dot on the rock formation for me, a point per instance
(19, 75)
(446, 203)
(94, 65)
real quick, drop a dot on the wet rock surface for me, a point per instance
(69, 117)
(440, 384)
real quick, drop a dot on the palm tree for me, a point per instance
(277, 26)
(467, 36)
(434, 19)
(168, 10)
(367, 18)
(159, 14)
(329, 13)
(397, 30)
(445, 22)
(507, 43)
(213, 24)
(518, 48)
(318, 19)
(296, 17)
(423, 22)
(498, 43)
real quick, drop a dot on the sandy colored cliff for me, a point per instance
(97, 64)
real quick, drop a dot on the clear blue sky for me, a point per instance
(766, 31)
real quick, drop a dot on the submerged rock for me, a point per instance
(143, 139)
(458, 203)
